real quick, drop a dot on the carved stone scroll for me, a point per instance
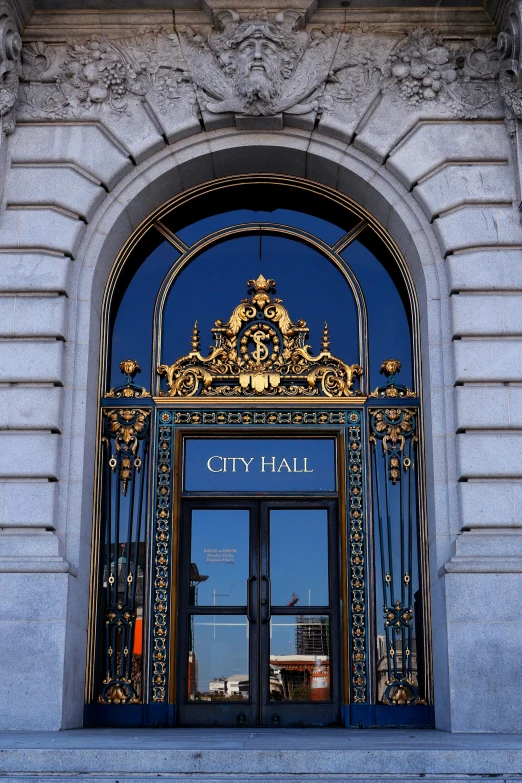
(509, 47)
(10, 50)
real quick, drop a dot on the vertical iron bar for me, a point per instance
(388, 521)
(411, 521)
(402, 541)
(107, 536)
(117, 537)
(130, 524)
(379, 516)
(143, 486)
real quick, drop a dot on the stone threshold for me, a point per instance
(260, 755)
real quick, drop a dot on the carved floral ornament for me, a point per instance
(258, 66)
(259, 350)
(510, 52)
(10, 67)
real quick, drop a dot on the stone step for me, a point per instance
(193, 778)
(259, 756)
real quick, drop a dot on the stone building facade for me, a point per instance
(414, 111)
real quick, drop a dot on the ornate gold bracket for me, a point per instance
(260, 351)
(127, 426)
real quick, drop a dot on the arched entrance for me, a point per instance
(300, 471)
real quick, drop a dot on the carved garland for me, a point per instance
(260, 66)
(10, 68)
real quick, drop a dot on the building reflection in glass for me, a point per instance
(218, 660)
(300, 658)
(299, 662)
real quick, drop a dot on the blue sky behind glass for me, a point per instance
(311, 287)
(388, 327)
(132, 332)
(323, 229)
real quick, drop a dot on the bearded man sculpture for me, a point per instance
(257, 66)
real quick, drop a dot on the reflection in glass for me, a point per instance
(218, 658)
(219, 557)
(300, 658)
(299, 557)
(389, 332)
(132, 307)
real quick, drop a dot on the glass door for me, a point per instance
(259, 605)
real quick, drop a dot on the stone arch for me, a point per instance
(194, 161)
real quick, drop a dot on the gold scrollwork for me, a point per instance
(260, 351)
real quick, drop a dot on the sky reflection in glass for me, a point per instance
(288, 217)
(299, 557)
(213, 284)
(388, 325)
(132, 329)
(220, 552)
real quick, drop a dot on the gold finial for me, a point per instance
(130, 368)
(261, 290)
(390, 367)
(195, 341)
(261, 284)
(326, 338)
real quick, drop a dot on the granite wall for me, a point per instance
(105, 115)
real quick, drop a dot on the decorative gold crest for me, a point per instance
(260, 351)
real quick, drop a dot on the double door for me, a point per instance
(259, 639)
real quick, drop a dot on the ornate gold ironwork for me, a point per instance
(392, 426)
(260, 351)
(129, 389)
(259, 417)
(357, 560)
(127, 426)
(161, 567)
(390, 368)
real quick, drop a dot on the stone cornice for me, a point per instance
(53, 25)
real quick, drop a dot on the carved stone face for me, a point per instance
(258, 67)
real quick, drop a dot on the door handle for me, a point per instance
(250, 582)
(268, 600)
